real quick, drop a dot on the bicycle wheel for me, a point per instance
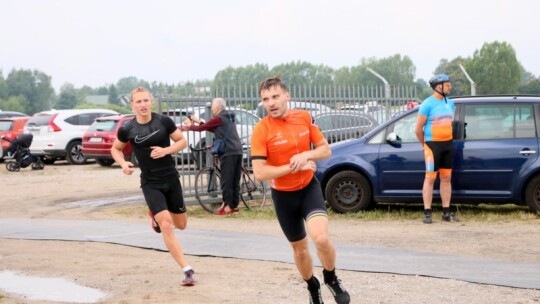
(208, 189)
(252, 191)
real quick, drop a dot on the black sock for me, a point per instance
(313, 283)
(446, 210)
(427, 211)
(329, 276)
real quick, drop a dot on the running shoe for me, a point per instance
(189, 278)
(338, 291)
(449, 217)
(427, 218)
(153, 222)
(222, 211)
(315, 296)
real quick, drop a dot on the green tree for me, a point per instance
(113, 95)
(250, 74)
(495, 69)
(397, 70)
(460, 83)
(3, 86)
(302, 73)
(35, 86)
(532, 87)
(66, 100)
(13, 103)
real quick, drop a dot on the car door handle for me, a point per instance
(526, 152)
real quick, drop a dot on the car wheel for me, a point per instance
(105, 162)
(48, 161)
(74, 153)
(532, 194)
(348, 191)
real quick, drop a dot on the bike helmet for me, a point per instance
(438, 79)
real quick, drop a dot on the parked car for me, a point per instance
(312, 107)
(98, 139)
(496, 158)
(341, 125)
(58, 133)
(10, 128)
(373, 108)
(245, 121)
(9, 114)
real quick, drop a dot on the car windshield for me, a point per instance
(6, 125)
(103, 125)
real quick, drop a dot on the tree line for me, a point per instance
(494, 68)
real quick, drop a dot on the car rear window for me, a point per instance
(6, 125)
(39, 120)
(103, 125)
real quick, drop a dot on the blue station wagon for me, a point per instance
(496, 160)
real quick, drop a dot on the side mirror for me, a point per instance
(393, 139)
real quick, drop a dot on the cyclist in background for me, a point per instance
(434, 131)
(281, 152)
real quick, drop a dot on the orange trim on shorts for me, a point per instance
(431, 174)
(446, 172)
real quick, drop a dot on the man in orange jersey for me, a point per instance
(281, 152)
(434, 131)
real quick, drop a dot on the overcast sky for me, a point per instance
(97, 42)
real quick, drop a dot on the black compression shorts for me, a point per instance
(440, 154)
(295, 207)
(166, 195)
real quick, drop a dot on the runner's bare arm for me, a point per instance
(321, 151)
(118, 155)
(263, 171)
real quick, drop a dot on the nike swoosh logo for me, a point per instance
(139, 140)
(182, 209)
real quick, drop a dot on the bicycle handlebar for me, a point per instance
(203, 149)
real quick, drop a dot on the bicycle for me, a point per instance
(208, 185)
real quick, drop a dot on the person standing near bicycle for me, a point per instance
(223, 125)
(150, 135)
(281, 152)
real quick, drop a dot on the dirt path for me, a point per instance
(133, 275)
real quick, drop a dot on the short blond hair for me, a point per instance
(139, 90)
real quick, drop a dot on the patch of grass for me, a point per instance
(392, 212)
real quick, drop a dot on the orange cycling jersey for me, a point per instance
(278, 139)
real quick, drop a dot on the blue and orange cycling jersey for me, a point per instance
(440, 115)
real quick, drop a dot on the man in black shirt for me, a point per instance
(150, 135)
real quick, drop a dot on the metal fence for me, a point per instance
(377, 101)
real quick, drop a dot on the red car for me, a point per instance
(98, 139)
(10, 128)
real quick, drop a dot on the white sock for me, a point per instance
(187, 268)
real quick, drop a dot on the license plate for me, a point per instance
(95, 139)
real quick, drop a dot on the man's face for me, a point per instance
(142, 103)
(446, 87)
(275, 101)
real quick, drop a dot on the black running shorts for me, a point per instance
(166, 195)
(295, 207)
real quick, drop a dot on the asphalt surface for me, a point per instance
(250, 246)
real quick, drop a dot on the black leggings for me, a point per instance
(295, 207)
